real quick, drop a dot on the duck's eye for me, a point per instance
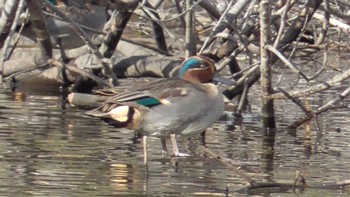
(204, 65)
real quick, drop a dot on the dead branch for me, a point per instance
(4, 53)
(315, 88)
(328, 106)
(85, 38)
(78, 71)
(39, 27)
(119, 21)
(268, 111)
(6, 20)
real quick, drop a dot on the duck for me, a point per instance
(170, 107)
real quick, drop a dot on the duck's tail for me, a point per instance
(117, 115)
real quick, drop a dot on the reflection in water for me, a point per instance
(267, 154)
(48, 148)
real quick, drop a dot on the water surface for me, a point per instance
(49, 148)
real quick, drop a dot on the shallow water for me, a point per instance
(49, 148)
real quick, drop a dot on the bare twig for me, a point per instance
(78, 71)
(287, 62)
(189, 36)
(4, 55)
(7, 16)
(283, 24)
(315, 88)
(158, 33)
(330, 105)
(40, 29)
(86, 39)
(172, 18)
(297, 102)
(243, 98)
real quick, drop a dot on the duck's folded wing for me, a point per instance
(143, 98)
(150, 97)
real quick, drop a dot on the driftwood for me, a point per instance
(83, 100)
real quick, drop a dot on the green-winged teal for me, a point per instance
(168, 107)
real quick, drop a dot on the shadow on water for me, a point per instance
(49, 148)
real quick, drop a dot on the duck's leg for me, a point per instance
(145, 155)
(164, 148)
(176, 152)
(175, 147)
